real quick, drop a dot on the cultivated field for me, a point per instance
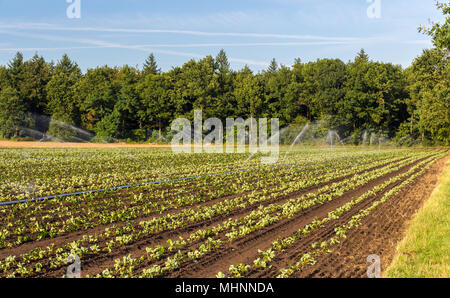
(145, 212)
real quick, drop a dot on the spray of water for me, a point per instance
(332, 137)
(37, 135)
(343, 141)
(74, 129)
(364, 138)
(277, 135)
(373, 138)
(297, 139)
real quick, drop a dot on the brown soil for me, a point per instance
(246, 250)
(213, 263)
(380, 232)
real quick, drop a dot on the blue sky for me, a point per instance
(252, 32)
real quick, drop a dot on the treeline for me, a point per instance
(140, 104)
(129, 103)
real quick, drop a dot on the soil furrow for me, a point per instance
(379, 233)
(245, 250)
(59, 241)
(96, 264)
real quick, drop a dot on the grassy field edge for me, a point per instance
(425, 250)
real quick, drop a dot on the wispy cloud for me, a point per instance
(106, 44)
(244, 44)
(38, 49)
(159, 48)
(309, 39)
(4, 47)
(51, 27)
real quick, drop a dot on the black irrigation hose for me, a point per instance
(134, 185)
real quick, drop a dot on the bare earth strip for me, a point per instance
(54, 145)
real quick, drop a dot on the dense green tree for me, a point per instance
(13, 113)
(156, 93)
(61, 105)
(330, 77)
(247, 94)
(197, 87)
(391, 84)
(308, 90)
(4, 80)
(182, 103)
(374, 95)
(299, 88)
(96, 95)
(285, 108)
(150, 66)
(15, 71)
(128, 102)
(273, 66)
(109, 126)
(29, 79)
(36, 75)
(429, 78)
(224, 98)
(320, 87)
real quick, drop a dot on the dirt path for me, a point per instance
(54, 145)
